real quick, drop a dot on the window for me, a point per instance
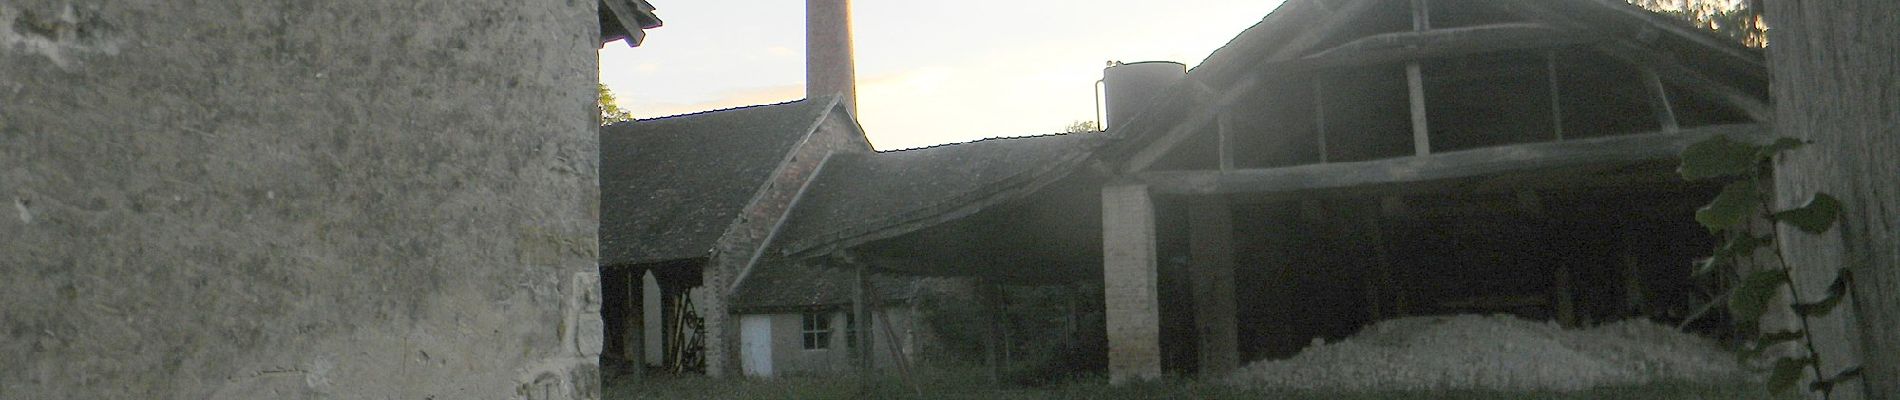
(817, 331)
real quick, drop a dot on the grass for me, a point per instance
(973, 384)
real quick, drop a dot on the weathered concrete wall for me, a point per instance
(292, 199)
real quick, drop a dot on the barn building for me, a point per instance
(1340, 162)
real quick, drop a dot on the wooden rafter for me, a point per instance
(1613, 150)
(1203, 113)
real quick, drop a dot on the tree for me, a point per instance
(1080, 126)
(1836, 82)
(1740, 20)
(610, 111)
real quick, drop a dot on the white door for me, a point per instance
(755, 345)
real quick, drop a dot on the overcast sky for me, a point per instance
(929, 72)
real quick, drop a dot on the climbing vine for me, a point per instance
(1747, 166)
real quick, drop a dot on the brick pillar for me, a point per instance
(1128, 278)
(1211, 256)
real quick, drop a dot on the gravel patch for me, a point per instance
(1497, 352)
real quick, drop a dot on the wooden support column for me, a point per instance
(1556, 96)
(1379, 284)
(1659, 101)
(991, 295)
(861, 319)
(633, 327)
(1130, 303)
(1211, 253)
(1319, 113)
(1225, 130)
(1415, 84)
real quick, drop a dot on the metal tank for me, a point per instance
(1128, 88)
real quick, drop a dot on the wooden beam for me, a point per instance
(1393, 47)
(1225, 125)
(1203, 113)
(1659, 101)
(1415, 84)
(1612, 150)
(1556, 96)
(1421, 126)
(1624, 47)
(861, 322)
(625, 15)
(1666, 67)
(1319, 114)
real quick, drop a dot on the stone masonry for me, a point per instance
(298, 199)
(1130, 303)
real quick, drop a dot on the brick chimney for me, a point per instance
(828, 66)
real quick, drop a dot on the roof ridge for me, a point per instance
(698, 113)
(986, 139)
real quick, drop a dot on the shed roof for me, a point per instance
(671, 186)
(863, 197)
(802, 285)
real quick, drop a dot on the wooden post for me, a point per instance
(861, 320)
(1556, 102)
(1415, 83)
(1224, 127)
(1659, 100)
(992, 298)
(1319, 113)
(1211, 276)
(1379, 283)
(633, 343)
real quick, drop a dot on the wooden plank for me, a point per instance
(628, 19)
(1623, 47)
(1556, 96)
(1659, 101)
(861, 319)
(1202, 113)
(1421, 127)
(1225, 125)
(1393, 47)
(1319, 114)
(1614, 150)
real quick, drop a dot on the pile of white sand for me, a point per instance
(1496, 352)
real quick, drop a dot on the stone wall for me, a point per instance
(298, 199)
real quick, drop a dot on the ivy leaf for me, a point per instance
(1768, 340)
(1778, 146)
(1706, 265)
(1787, 372)
(1750, 299)
(1744, 245)
(1731, 208)
(1835, 292)
(1717, 157)
(1815, 217)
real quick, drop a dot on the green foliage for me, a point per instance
(1815, 217)
(1728, 215)
(1738, 20)
(1750, 299)
(1731, 208)
(1835, 292)
(1718, 157)
(1787, 372)
(1080, 126)
(610, 111)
